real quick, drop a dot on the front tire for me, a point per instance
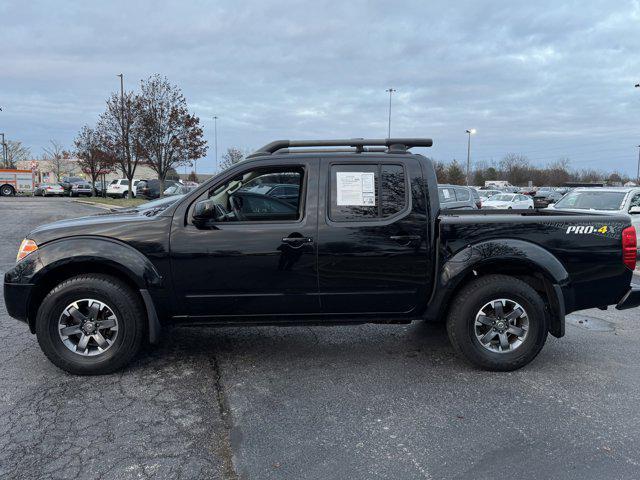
(7, 191)
(498, 323)
(90, 325)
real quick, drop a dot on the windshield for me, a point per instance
(264, 189)
(501, 198)
(150, 208)
(487, 193)
(592, 200)
(159, 203)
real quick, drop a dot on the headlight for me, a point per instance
(26, 247)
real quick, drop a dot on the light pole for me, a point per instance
(638, 172)
(470, 132)
(390, 90)
(124, 155)
(215, 140)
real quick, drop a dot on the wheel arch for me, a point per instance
(520, 259)
(66, 258)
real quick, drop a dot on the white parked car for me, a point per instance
(608, 200)
(119, 188)
(509, 201)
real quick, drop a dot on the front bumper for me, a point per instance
(631, 299)
(16, 299)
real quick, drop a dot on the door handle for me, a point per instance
(405, 239)
(297, 242)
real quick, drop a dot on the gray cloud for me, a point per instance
(541, 78)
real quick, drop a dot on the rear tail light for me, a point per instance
(629, 246)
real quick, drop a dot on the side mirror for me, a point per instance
(634, 210)
(202, 211)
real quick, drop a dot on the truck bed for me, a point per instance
(588, 247)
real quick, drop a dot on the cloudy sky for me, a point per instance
(547, 79)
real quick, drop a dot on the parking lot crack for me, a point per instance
(226, 449)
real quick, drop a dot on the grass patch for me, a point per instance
(116, 202)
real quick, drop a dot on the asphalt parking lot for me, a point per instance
(318, 402)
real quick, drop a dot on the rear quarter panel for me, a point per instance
(589, 247)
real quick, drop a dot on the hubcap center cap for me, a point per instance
(89, 327)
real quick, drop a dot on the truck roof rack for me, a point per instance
(393, 145)
(331, 150)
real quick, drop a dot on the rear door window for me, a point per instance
(446, 195)
(366, 192)
(462, 194)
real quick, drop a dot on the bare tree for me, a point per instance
(516, 168)
(119, 131)
(170, 135)
(58, 158)
(16, 152)
(92, 157)
(231, 157)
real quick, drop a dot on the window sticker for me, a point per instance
(446, 193)
(356, 189)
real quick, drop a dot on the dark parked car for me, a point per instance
(546, 196)
(81, 188)
(101, 188)
(284, 191)
(368, 242)
(68, 181)
(151, 188)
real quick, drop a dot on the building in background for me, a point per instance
(45, 170)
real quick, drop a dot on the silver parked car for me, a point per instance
(48, 189)
(455, 197)
(622, 200)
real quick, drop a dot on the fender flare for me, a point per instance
(116, 255)
(516, 252)
(89, 249)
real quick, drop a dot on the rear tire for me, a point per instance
(480, 342)
(112, 300)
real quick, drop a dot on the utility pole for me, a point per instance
(390, 90)
(215, 130)
(470, 132)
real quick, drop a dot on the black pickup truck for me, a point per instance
(365, 242)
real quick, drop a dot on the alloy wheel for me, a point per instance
(88, 327)
(501, 325)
